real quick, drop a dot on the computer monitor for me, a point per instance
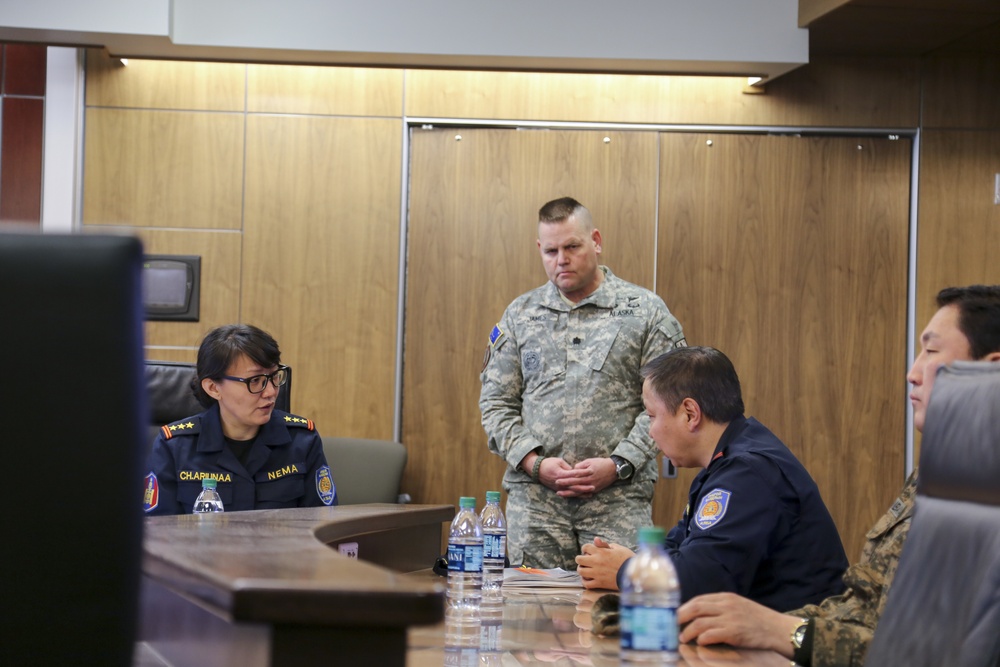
(171, 287)
(74, 412)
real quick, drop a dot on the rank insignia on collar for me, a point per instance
(324, 485)
(301, 422)
(151, 498)
(897, 508)
(188, 426)
(712, 508)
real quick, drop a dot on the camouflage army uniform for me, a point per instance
(844, 623)
(563, 379)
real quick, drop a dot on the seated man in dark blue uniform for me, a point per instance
(261, 458)
(755, 523)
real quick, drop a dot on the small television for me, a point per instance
(171, 287)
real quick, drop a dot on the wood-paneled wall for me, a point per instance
(790, 255)
(473, 220)
(287, 180)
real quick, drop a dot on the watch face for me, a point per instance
(800, 635)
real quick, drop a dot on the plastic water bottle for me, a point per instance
(208, 500)
(650, 596)
(465, 576)
(494, 549)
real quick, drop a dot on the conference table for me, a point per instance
(551, 627)
(270, 588)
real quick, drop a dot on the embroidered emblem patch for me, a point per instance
(324, 485)
(152, 496)
(712, 508)
(531, 361)
(497, 337)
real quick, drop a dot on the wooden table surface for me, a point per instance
(552, 627)
(267, 588)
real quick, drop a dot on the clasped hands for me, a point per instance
(582, 480)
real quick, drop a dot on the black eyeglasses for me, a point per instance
(258, 383)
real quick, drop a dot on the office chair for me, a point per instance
(366, 471)
(944, 605)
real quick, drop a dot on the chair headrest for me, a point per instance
(170, 395)
(960, 451)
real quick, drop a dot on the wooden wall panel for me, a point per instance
(348, 91)
(321, 262)
(840, 93)
(163, 84)
(958, 240)
(472, 232)
(790, 255)
(163, 169)
(220, 284)
(962, 93)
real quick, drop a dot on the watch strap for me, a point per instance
(621, 463)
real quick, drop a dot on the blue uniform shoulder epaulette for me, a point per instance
(294, 420)
(186, 426)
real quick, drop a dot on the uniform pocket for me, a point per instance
(283, 486)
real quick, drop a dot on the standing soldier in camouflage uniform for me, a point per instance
(837, 631)
(561, 397)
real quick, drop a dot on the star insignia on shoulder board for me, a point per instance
(181, 427)
(293, 420)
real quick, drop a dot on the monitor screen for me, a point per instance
(171, 286)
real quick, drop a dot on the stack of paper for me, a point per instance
(530, 577)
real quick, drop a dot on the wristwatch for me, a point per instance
(623, 468)
(799, 634)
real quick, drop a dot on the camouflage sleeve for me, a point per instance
(837, 644)
(664, 333)
(500, 397)
(845, 623)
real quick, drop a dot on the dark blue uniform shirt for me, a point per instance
(756, 525)
(285, 466)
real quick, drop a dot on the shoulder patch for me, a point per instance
(300, 422)
(151, 498)
(324, 485)
(497, 337)
(712, 508)
(186, 426)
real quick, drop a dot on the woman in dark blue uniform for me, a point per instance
(261, 458)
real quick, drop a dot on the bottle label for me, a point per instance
(465, 558)
(649, 628)
(494, 546)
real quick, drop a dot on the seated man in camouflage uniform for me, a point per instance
(838, 630)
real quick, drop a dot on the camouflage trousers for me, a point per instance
(544, 530)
